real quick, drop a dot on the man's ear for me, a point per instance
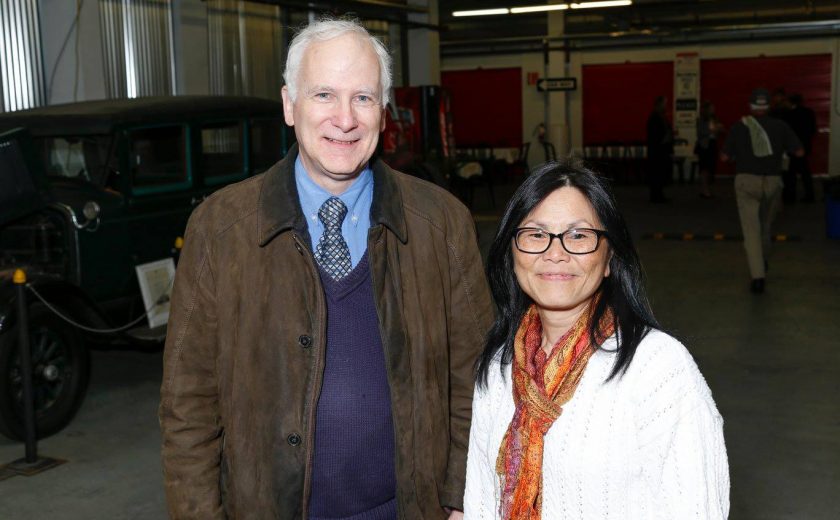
(383, 120)
(288, 106)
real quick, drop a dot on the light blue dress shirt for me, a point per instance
(358, 199)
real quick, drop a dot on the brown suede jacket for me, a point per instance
(244, 352)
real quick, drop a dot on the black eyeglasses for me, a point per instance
(577, 241)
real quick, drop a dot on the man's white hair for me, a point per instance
(329, 29)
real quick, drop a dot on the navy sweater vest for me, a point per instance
(353, 475)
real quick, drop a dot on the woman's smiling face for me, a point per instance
(555, 279)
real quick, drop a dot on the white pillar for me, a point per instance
(424, 46)
(557, 123)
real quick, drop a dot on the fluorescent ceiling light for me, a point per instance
(482, 12)
(610, 3)
(539, 8)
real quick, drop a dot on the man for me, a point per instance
(756, 144)
(325, 320)
(803, 122)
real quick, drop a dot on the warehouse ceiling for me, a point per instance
(645, 22)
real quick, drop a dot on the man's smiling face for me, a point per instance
(338, 111)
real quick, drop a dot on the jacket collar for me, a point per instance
(279, 203)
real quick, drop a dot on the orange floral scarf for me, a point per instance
(539, 391)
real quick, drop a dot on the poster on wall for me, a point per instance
(686, 95)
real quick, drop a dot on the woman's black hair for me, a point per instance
(623, 290)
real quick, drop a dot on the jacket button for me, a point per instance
(293, 439)
(305, 341)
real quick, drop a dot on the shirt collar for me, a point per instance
(312, 196)
(279, 208)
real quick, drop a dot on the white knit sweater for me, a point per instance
(647, 445)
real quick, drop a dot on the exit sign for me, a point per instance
(553, 84)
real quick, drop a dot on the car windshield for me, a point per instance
(75, 157)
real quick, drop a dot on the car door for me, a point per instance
(159, 194)
(220, 154)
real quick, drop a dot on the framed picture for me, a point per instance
(156, 287)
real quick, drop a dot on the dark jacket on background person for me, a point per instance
(245, 347)
(738, 146)
(660, 136)
(803, 122)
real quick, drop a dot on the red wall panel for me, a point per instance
(728, 82)
(618, 98)
(486, 106)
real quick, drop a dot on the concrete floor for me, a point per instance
(772, 361)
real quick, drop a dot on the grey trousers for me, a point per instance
(759, 198)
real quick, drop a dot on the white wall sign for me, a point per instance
(686, 98)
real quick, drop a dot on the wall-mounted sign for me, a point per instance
(556, 84)
(686, 97)
(533, 77)
(686, 105)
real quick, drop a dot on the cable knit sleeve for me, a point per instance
(681, 447)
(480, 495)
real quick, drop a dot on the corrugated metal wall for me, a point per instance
(137, 47)
(245, 48)
(21, 66)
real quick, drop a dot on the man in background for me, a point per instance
(756, 143)
(803, 121)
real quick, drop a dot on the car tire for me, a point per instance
(61, 371)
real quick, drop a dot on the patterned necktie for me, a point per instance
(332, 253)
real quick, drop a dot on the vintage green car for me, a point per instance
(90, 191)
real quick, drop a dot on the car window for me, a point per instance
(74, 157)
(266, 143)
(222, 158)
(158, 157)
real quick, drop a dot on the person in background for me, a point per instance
(706, 148)
(803, 121)
(584, 409)
(779, 104)
(756, 144)
(780, 108)
(325, 319)
(660, 150)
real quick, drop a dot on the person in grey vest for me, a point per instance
(757, 143)
(325, 320)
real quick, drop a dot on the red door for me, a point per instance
(618, 98)
(727, 83)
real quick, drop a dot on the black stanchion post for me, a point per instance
(31, 464)
(26, 369)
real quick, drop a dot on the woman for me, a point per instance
(660, 149)
(706, 148)
(583, 409)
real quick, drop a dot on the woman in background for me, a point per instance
(706, 149)
(660, 150)
(583, 409)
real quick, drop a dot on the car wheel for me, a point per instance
(60, 374)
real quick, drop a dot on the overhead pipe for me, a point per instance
(605, 40)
